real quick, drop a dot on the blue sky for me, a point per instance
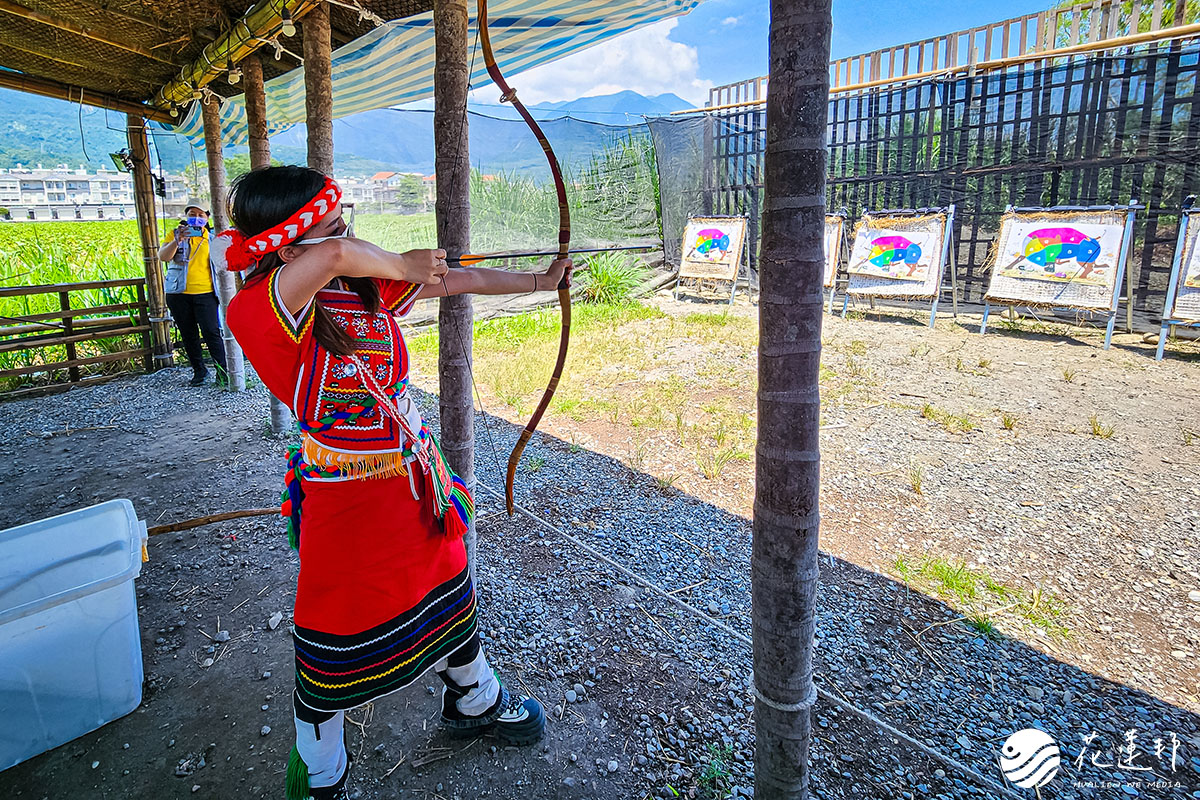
(724, 41)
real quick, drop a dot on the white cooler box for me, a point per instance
(70, 654)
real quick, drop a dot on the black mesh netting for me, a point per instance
(1093, 130)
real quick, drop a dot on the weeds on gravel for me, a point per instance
(916, 477)
(1099, 429)
(982, 600)
(714, 778)
(857, 347)
(1069, 374)
(666, 483)
(534, 463)
(1008, 420)
(1189, 436)
(712, 462)
(952, 423)
(918, 349)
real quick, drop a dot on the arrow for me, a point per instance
(467, 259)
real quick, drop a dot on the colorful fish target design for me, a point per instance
(712, 247)
(891, 255)
(712, 243)
(1057, 254)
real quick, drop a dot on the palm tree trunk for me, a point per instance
(260, 158)
(224, 285)
(453, 211)
(786, 504)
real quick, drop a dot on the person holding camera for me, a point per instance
(189, 286)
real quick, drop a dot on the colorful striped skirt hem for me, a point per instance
(339, 672)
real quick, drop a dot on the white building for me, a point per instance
(39, 194)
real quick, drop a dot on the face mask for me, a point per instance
(347, 233)
(196, 222)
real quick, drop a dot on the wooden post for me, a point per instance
(260, 158)
(143, 202)
(453, 213)
(225, 287)
(318, 88)
(256, 112)
(64, 303)
(787, 518)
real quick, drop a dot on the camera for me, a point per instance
(194, 226)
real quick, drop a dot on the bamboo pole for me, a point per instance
(318, 89)
(1166, 34)
(75, 94)
(260, 23)
(453, 213)
(188, 524)
(143, 201)
(226, 288)
(260, 158)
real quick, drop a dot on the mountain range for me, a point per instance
(35, 129)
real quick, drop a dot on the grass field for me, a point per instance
(37, 253)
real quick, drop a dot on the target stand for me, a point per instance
(713, 250)
(1182, 308)
(835, 251)
(1063, 257)
(885, 261)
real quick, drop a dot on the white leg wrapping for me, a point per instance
(324, 757)
(482, 697)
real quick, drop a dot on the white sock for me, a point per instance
(324, 757)
(483, 696)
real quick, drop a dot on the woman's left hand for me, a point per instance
(548, 281)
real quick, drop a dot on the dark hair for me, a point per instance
(263, 198)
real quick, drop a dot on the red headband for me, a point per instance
(245, 251)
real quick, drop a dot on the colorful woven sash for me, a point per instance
(453, 505)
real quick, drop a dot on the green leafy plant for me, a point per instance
(1008, 421)
(609, 278)
(1069, 374)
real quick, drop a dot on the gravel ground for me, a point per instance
(645, 700)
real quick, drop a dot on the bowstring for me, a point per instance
(462, 346)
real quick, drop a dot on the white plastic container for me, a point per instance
(70, 653)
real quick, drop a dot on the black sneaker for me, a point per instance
(198, 379)
(336, 792)
(515, 719)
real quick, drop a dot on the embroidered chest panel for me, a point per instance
(333, 401)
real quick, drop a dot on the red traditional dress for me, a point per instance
(384, 592)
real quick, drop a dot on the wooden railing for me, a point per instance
(72, 325)
(1084, 23)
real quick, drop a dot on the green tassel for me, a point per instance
(297, 777)
(293, 540)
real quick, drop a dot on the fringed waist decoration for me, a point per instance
(322, 462)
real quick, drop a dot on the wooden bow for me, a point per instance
(509, 95)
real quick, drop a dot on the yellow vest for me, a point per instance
(199, 275)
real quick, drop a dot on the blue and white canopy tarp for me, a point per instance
(393, 64)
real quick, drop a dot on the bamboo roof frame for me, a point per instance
(154, 57)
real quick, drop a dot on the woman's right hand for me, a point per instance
(424, 266)
(179, 231)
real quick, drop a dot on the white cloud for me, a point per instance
(729, 22)
(645, 61)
